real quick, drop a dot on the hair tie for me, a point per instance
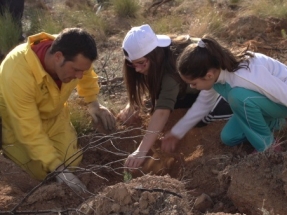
(201, 44)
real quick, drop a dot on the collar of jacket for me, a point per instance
(32, 59)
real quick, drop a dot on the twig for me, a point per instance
(159, 190)
(41, 211)
(97, 142)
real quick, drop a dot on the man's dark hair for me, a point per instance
(74, 41)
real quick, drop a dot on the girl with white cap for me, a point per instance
(150, 69)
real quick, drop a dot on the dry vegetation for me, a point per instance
(206, 176)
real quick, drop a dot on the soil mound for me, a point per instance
(258, 183)
(144, 195)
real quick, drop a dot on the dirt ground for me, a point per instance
(203, 176)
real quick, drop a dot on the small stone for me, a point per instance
(136, 211)
(203, 203)
(116, 208)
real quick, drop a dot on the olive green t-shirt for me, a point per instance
(169, 93)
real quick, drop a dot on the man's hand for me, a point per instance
(71, 180)
(169, 143)
(128, 115)
(96, 110)
(135, 159)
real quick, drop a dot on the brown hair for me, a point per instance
(162, 61)
(195, 61)
(74, 41)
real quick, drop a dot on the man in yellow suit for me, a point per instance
(36, 80)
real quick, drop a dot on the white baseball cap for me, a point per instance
(141, 40)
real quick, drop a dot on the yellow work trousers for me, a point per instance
(64, 138)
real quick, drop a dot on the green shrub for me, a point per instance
(283, 33)
(41, 21)
(9, 34)
(126, 8)
(80, 119)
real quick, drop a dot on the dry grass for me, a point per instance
(64, 16)
(165, 25)
(207, 19)
(188, 16)
(265, 8)
(126, 8)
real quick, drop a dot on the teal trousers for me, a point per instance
(255, 117)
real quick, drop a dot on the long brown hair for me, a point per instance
(195, 61)
(162, 61)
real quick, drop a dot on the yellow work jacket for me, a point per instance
(29, 96)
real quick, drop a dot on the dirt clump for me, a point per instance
(143, 195)
(258, 183)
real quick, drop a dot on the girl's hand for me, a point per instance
(135, 159)
(128, 115)
(169, 143)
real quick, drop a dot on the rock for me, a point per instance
(203, 202)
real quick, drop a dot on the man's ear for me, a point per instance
(58, 56)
